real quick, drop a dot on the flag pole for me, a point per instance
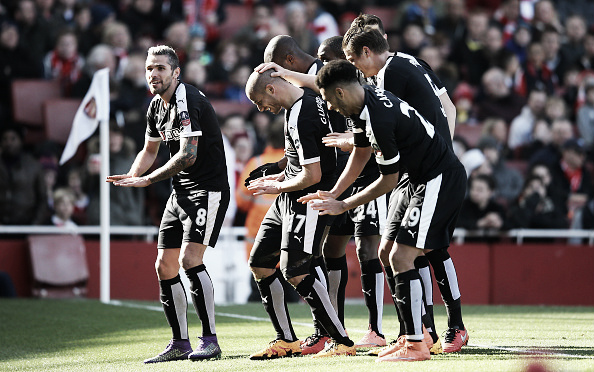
(105, 213)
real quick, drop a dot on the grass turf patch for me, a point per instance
(86, 335)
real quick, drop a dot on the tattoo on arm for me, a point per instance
(184, 158)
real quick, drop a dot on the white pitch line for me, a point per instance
(531, 352)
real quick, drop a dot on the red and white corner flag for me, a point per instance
(93, 108)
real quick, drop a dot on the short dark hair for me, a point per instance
(334, 72)
(489, 180)
(165, 50)
(364, 19)
(356, 38)
(334, 44)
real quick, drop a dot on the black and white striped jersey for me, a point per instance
(189, 113)
(306, 123)
(412, 80)
(400, 137)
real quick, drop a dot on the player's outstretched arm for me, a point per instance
(296, 78)
(355, 165)
(145, 158)
(328, 205)
(343, 141)
(310, 175)
(266, 170)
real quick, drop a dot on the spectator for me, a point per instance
(64, 63)
(534, 208)
(575, 32)
(132, 99)
(35, 34)
(541, 138)
(49, 167)
(195, 74)
(420, 12)
(238, 77)
(480, 210)
(554, 191)
(232, 126)
(445, 71)
(117, 36)
(571, 176)
(296, 21)
(83, 28)
(585, 118)
(324, 25)
(555, 108)
(413, 39)
(75, 181)
(554, 60)
(452, 23)
(520, 131)
(561, 132)
(545, 16)
(126, 203)
(586, 61)
(99, 57)
(15, 62)
(475, 163)
(496, 128)
(260, 123)
(144, 17)
(177, 36)
(23, 200)
(518, 44)
(463, 98)
(536, 74)
(63, 208)
(256, 34)
(226, 58)
(467, 53)
(508, 17)
(498, 99)
(508, 181)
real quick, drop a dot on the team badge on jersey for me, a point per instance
(185, 118)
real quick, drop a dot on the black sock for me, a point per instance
(447, 280)
(314, 293)
(319, 272)
(175, 305)
(338, 274)
(372, 283)
(422, 264)
(409, 300)
(203, 298)
(273, 299)
(392, 286)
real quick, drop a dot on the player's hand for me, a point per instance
(344, 141)
(279, 71)
(328, 205)
(318, 195)
(265, 185)
(262, 171)
(132, 182)
(117, 177)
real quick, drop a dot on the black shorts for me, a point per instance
(424, 215)
(291, 233)
(196, 218)
(365, 220)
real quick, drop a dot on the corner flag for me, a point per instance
(93, 108)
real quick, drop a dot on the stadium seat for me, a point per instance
(237, 16)
(471, 133)
(58, 115)
(59, 266)
(28, 97)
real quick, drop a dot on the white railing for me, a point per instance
(150, 232)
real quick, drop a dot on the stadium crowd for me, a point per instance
(520, 72)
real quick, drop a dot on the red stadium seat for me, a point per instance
(28, 97)
(59, 266)
(471, 133)
(58, 115)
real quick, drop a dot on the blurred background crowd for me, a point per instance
(521, 73)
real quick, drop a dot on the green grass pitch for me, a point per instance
(86, 335)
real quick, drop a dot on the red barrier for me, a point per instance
(529, 274)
